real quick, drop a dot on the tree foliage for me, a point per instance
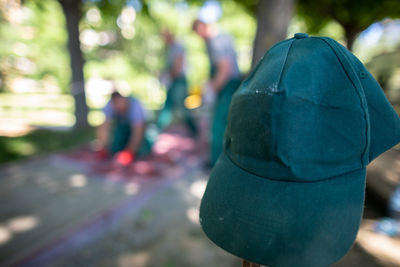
(353, 15)
(132, 60)
(28, 39)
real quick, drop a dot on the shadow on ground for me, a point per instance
(59, 212)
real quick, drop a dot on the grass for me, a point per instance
(41, 142)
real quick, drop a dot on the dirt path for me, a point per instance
(60, 211)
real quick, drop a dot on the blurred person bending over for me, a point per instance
(177, 87)
(225, 78)
(122, 133)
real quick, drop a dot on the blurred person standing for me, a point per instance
(224, 79)
(174, 78)
(122, 133)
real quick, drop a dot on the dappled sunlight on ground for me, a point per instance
(83, 198)
(16, 225)
(132, 188)
(134, 259)
(385, 249)
(22, 223)
(77, 180)
(81, 210)
(193, 215)
(5, 235)
(198, 187)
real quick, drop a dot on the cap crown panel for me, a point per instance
(307, 126)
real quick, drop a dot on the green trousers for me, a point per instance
(175, 102)
(120, 136)
(220, 118)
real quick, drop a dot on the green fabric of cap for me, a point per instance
(288, 189)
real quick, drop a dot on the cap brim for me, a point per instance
(278, 223)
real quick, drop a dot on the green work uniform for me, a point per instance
(175, 101)
(177, 92)
(121, 129)
(220, 47)
(122, 133)
(220, 115)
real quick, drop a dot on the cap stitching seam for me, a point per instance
(262, 58)
(284, 62)
(283, 180)
(356, 89)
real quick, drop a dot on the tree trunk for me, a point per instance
(351, 34)
(273, 18)
(72, 12)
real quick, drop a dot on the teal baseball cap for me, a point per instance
(288, 189)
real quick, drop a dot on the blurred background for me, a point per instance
(42, 76)
(59, 62)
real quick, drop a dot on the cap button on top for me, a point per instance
(300, 35)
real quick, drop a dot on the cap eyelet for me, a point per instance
(300, 35)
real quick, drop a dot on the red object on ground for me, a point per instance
(124, 157)
(102, 153)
